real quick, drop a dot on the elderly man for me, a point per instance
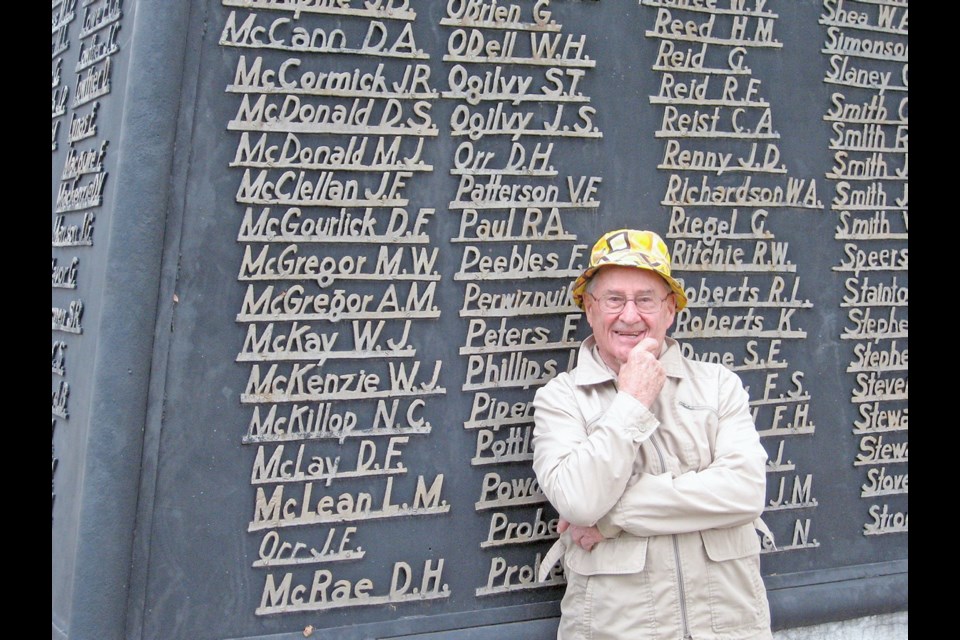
(654, 464)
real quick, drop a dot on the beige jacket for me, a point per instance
(676, 490)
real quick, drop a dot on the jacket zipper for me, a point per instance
(676, 547)
(682, 596)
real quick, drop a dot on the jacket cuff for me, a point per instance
(633, 415)
(607, 528)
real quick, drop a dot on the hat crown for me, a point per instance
(632, 247)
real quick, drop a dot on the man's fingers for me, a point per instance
(649, 344)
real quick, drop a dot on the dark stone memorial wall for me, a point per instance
(311, 260)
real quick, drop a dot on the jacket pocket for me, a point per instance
(623, 554)
(737, 598)
(730, 543)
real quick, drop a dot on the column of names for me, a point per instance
(866, 50)
(726, 187)
(63, 277)
(80, 192)
(516, 78)
(337, 271)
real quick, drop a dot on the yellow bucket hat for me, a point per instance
(629, 248)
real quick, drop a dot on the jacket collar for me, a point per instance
(591, 369)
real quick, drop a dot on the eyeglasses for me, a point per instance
(615, 303)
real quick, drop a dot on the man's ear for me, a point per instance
(588, 304)
(673, 309)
